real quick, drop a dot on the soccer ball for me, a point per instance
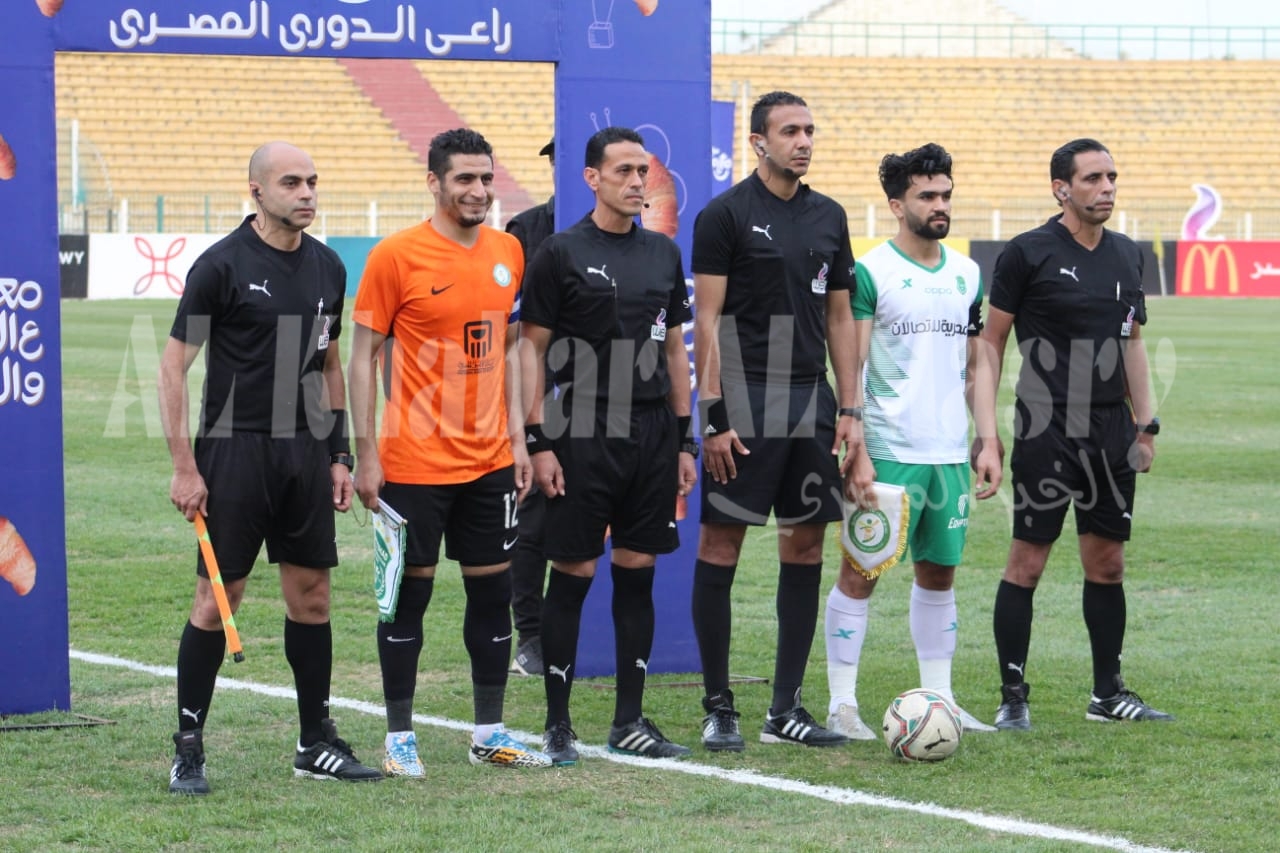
(920, 725)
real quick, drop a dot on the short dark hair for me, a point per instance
(602, 139)
(765, 104)
(1062, 165)
(897, 170)
(461, 140)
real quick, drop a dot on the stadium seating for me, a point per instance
(511, 103)
(153, 124)
(158, 125)
(1169, 124)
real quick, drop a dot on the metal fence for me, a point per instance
(993, 40)
(1139, 220)
(346, 215)
(340, 214)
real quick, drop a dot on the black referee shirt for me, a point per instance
(781, 258)
(1073, 308)
(607, 297)
(268, 318)
(534, 225)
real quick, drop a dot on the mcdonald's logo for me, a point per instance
(1212, 257)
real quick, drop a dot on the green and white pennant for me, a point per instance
(874, 540)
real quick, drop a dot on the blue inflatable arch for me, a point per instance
(639, 63)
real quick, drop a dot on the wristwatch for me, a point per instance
(690, 447)
(343, 459)
(854, 412)
(1152, 428)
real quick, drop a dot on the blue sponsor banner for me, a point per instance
(722, 134)
(647, 66)
(460, 29)
(34, 666)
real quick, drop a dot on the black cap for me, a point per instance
(548, 150)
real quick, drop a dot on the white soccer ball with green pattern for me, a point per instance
(920, 725)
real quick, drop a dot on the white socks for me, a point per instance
(483, 733)
(846, 628)
(933, 630)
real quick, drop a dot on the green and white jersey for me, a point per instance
(915, 372)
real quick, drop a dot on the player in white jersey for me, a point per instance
(917, 309)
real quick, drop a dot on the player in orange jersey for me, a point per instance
(447, 290)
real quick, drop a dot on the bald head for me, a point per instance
(282, 181)
(266, 159)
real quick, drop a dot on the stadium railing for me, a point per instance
(993, 40)
(349, 214)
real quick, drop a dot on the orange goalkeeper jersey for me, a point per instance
(447, 307)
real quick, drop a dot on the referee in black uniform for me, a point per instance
(271, 461)
(1084, 428)
(772, 271)
(603, 303)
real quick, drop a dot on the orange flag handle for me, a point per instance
(219, 591)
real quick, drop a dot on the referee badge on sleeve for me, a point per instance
(874, 540)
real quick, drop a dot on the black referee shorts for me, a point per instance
(1052, 470)
(273, 490)
(624, 484)
(790, 470)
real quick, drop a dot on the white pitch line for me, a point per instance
(831, 794)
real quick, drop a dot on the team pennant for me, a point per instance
(874, 540)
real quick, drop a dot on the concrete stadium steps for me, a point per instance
(512, 104)
(417, 111)
(157, 124)
(1168, 123)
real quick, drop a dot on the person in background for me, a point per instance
(529, 563)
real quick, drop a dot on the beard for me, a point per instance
(468, 216)
(936, 229)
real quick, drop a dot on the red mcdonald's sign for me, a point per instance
(1229, 268)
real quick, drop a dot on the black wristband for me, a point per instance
(534, 440)
(683, 425)
(854, 412)
(715, 416)
(337, 440)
